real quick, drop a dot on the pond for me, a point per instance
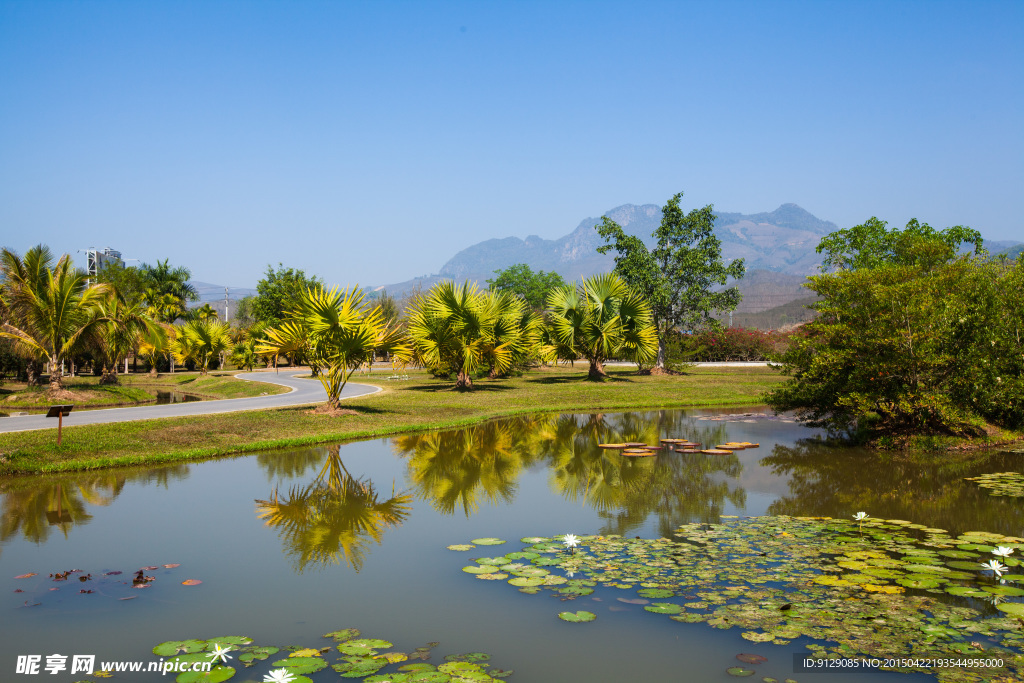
(166, 397)
(291, 545)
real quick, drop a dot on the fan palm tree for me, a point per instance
(513, 332)
(47, 310)
(245, 353)
(457, 329)
(336, 333)
(201, 341)
(599, 319)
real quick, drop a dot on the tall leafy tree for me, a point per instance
(280, 292)
(599, 319)
(911, 337)
(679, 277)
(48, 308)
(532, 287)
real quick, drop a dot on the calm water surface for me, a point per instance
(284, 563)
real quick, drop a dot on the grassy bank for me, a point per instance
(133, 389)
(417, 404)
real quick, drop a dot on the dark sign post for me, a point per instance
(59, 412)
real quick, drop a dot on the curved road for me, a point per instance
(303, 391)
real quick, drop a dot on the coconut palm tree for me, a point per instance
(168, 288)
(336, 333)
(601, 318)
(124, 326)
(47, 309)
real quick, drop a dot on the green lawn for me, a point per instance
(133, 389)
(417, 404)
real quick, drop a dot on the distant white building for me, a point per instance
(97, 259)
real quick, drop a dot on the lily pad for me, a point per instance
(576, 617)
(1015, 609)
(462, 547)
(174, 647)
(215, 675)
(740, 671)
(488, 541)
(343, 634)
(301, 665)
(664, 608)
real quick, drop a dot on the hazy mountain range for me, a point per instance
(778, 248)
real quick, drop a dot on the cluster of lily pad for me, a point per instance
(360, 658)
(861, 587)
(1001, 483)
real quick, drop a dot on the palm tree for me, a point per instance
(245, 353)
(514, 332)
(201, 341)
(337, 334)
(204, 312)
(599, 319)
(47, 309)
(453, 329)
(123, 326)
(168, 288)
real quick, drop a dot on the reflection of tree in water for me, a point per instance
(30, 506)
(923, 488)
(289, 464)
(333, 519)
(677, 487)
(458, 469)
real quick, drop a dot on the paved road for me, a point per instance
(303, 391)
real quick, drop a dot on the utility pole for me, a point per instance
(227, 318)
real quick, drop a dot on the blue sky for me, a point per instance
(369, 141)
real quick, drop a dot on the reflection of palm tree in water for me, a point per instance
(30, 506)
(334, 518)
(678, 488)
(458, 469)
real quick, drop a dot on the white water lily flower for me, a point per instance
(994, 566)
(220, 653)
(860, 516)
(278, 676)
(571, 540)
(1003, 551)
